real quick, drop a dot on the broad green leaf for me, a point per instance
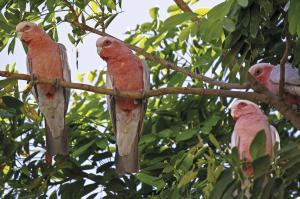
(213, 140)
(258, 145)
(50, 4)
(210, 123)
(223, 181)
(12, 102)
(151, 180)
(261, 166)
(172, 21)
(79, 77)
(82, 149)
(185, 135)
(243, 3)
(190, 175)
(6, 82)
(154, 12)
(229, 24)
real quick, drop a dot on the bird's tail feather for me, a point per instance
(128, 163)
(57, 145)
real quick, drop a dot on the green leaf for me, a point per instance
(243, 3)
(229, 24)
(190, 175)
(293, 17)
(185, 135)
(213, 140)
(210, 123)
(6, 82)
(254, 21)
(71, 38)
(11, 46)
(223, 181)
(150, 180)
(172, 21)
(12, 102)
(165, 133)
(258, 145)
(261, 166)
(176, 80)
(83, 148)
(50, 4)
(184, 34)
(153, 12)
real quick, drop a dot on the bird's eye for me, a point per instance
(258, 72)
(106, 43)
(242, 104)
(27, 27)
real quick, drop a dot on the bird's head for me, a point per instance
(110, 48)
(261, 72)
(28, 31)
(243, 107)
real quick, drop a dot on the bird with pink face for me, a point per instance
(269, 76)
(249, 121)
(125, 72)
(48, 59)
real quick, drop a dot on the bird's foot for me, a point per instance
(115, 92)
(31, 83)
(143, 93)
(57, 83)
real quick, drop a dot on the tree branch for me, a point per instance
(183, 6)
(265, 97)
(139, 95)
(160, 60)
(283, 60)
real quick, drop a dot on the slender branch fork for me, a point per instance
(264, 95)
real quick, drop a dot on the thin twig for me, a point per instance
(283, 60)
(185, 8)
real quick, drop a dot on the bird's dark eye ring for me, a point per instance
(258, 72)
(106, 43)
(242, 104)
(27, 27)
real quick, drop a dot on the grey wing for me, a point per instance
(66, 73)
(291, 75)
(146, 78)
(275, 136)
(111, 103)
(29, 70)
(234, 140)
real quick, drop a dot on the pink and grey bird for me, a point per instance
(269, 76)
(125, 72)
(250, 120)
(48, 59)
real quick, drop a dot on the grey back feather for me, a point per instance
(291, 75)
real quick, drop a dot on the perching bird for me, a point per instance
(125, 72)
(269, 76)
(48, 59)
(250, 120)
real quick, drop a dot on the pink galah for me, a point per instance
(250, 120)
(125, 72)
(48, 59)
(269, 76)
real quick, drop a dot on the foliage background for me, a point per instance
(184, 150)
